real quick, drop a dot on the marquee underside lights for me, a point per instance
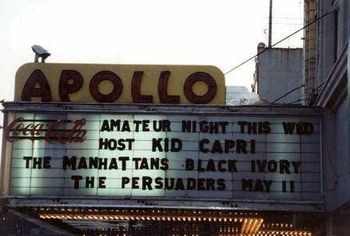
(240, 223)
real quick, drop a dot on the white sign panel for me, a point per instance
(170, 157)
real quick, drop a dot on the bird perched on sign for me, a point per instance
(40, 52)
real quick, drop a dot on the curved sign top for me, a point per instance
(101, 83)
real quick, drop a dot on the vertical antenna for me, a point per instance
(270, 25)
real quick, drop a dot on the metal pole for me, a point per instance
(270, 25)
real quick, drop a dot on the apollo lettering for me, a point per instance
(71, 81)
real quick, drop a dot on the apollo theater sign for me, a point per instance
(120, 83)
(65, 137)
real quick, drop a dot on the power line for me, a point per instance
(291, 91)
(297, 100)
(267, 48)
(284, 95)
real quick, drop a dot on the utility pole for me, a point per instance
(270, 25)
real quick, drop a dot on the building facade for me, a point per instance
(327, 86)
(280, 69)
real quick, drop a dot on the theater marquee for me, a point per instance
(170, 156)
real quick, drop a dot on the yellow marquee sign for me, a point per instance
(166, 84)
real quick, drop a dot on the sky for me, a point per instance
(222, 33)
